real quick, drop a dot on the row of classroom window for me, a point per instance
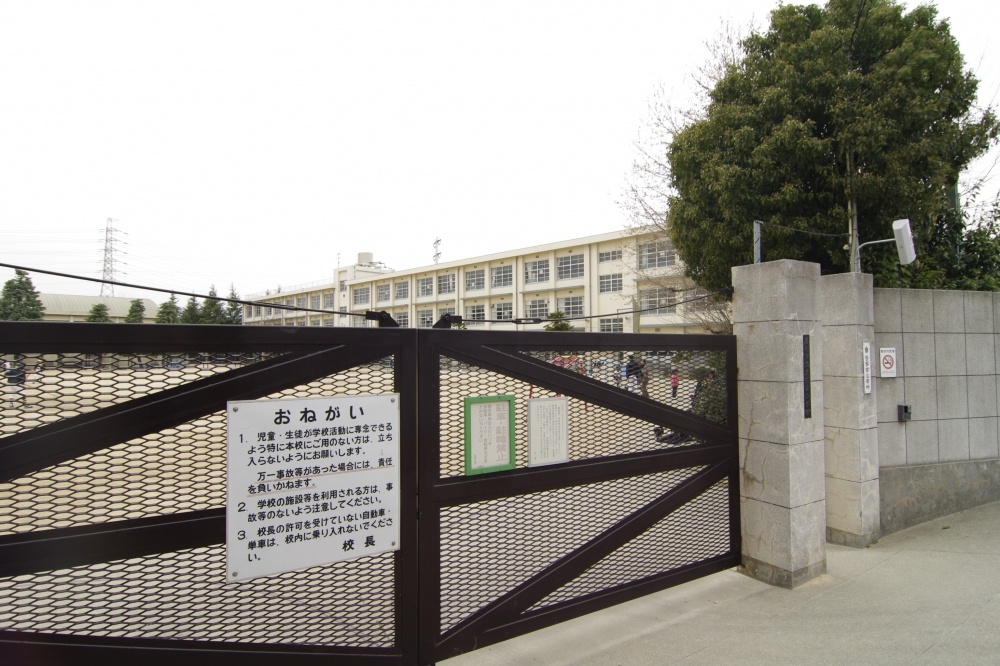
(446, 285)
(656, 300)
(426, 319)
(658, 254)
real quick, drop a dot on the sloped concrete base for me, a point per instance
(772, 575)
(841, 538)
(913, 495)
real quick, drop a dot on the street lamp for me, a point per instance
(904, 245)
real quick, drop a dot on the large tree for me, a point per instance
(234, 309)
(20, 301)
(191, 314)
(211, 310)
(169, 312)
(836, 120)
(136, 312)
(99, 313)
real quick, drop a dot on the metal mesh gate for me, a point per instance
(113, 493)
(647, 499)
(113, 489)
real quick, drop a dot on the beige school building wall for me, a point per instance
(602, 280)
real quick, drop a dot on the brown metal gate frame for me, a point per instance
(306, 354)
(511, 615)
(303, 355)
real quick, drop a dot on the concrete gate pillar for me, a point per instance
(850, 414)
(779, 343)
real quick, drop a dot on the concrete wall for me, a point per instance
(947, 458)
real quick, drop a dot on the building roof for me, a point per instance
(73, 304)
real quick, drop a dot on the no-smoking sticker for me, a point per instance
(887, 361)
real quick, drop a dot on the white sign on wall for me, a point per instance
(866, 361)
(310, 481)
(887, 361)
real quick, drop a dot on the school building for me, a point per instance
(613, 282)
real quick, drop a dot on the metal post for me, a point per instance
(757, 224)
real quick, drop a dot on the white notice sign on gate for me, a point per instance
(548, 431)
(310, 481)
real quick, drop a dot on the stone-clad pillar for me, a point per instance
(850, 414)
(780, 357)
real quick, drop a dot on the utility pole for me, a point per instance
(108, 289)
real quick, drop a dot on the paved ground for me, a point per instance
(926, 595)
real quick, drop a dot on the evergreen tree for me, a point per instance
(136, 312)
(855, 112)
(99, 313)
(557, 322)
(211, 309)
(191, 314)
(169, 312)
(20, 301)
(234, 310)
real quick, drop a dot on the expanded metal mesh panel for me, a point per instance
(694, 532)
(594, 431)
(176, 470)
(490, 547)
(688, 380)
(45, 388)
(184, 595)
(172, 471)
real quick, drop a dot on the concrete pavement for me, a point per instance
(927, 595)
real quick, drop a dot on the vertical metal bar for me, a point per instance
(756, 241)
(407, 570)
(428, 600)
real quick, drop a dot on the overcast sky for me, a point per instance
(260, 143)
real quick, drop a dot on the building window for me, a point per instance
(402, 318)
(475, 315)
(343, 311)
(610, 283)
(502, 276)
(572, 306)
(300, 302)
(256, 311)
(612, 325)
(537, 308)
(475, 280)
(343, 285)
(425, 287)
(536, 271)
(402, 290)
(659, 254)
(425, 318)
(569, 267)
(362, 295)
(328, 321)
(698, 301)
(503, 311)
(290, 301)
(382, 293)
(315, 321)
(314, 301)
(328, 299)
(614, 255)
(446, 284)
(267, 312)
(657, 300)
(359, 322)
